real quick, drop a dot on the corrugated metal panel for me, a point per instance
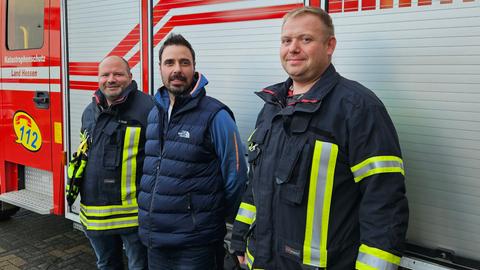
(238, 58)
(95, 28)
(424, 63)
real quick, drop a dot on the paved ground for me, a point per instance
(33, 241)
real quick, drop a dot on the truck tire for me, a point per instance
(7, 210)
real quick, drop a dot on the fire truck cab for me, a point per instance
(31, 140)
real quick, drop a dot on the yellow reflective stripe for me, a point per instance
(327, 200)
(387, 257)
(109, 210)
(376, 165)
(318, 205)
(251, 145)
(249, 258)
(129, 165)
(311, 204)
(246, 213)
(251, 135)
(362, 266)
(109, 224)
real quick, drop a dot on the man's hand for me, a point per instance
(241, 259)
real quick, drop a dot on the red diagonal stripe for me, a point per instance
(127, 43)
(132, 38)
(165, 6)
(249, 14)
(80, 85)
(83, 68)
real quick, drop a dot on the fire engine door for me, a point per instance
(26, 89)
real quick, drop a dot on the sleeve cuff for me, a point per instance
(370, 258)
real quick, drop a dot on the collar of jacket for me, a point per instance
(311, 100)
(101, 101)
(185, 102)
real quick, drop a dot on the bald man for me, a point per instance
(115, 123)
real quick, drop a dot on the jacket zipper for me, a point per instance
(190, 209)
(157, 170)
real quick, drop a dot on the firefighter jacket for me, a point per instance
(115, 160)
(327, 186)
(193, 176)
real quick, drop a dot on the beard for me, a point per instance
(178, 90)
(112, 95)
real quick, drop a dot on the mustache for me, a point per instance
(179, 77)
(112, 85)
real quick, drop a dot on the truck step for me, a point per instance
(30, 200)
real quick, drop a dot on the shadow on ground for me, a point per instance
(32, 241)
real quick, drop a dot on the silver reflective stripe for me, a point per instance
(317, 218)
(129, 164)
(318, 206)
(377, 164)
(249, 262)
(109, 224)
(246, 213)
(375, 262)
(249, 258)
(108, 210)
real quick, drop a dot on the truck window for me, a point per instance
(25, 24)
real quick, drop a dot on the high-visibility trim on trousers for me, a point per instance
(370, 258)
(376, 165)
(129, 165)
(246, 213)
(108, 210)
(110, 223)
(108, 217)
(318, 205)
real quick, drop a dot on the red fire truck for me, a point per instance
(421, 57)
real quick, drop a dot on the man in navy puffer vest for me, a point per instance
(194, 170)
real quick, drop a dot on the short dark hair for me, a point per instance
(176, 39)
(317, 12)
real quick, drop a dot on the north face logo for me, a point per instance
(184, 134)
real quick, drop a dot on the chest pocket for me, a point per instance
(292, 172)
(113, 134)
(293, 169)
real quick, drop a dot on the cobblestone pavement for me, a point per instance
(33, 241)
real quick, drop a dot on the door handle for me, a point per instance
(42, 100)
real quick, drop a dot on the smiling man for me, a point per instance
(194, 170)
(115, 122)
(327, 188)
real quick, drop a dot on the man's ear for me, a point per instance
(331, 44)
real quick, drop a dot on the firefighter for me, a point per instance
(327, 186)
(115, 120)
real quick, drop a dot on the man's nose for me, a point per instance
(294, 46)
(111, 78)
(176, 67)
